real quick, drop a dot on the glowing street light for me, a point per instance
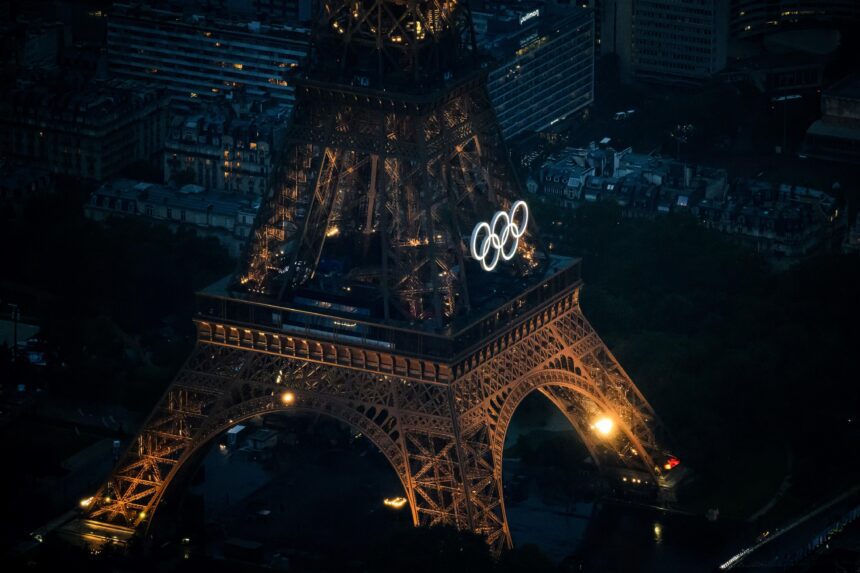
(394, 502)
(288, 398)
(603, 426)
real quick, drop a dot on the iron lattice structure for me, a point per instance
(409, 45)
(386, 188)
(358, 299)
(395, 154)
(440, 424)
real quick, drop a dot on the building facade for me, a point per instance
(542, 62)
(228, 218)
(226, 147)
(200, 56)
(674, 42)
(266, 10)
(773, 220)
(678, 41)
(836, 136)
(29, 45)
(643, 184)
(92, 132)
(756, 17)
(776, 220)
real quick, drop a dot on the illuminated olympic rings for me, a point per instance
(501, 236)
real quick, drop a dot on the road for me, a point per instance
(794, 541)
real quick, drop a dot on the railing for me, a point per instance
(455, 341)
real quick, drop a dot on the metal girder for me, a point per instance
(393, 42)
(444, 440)
(387, 176)
(411, 181)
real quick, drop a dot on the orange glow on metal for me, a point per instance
(603, 426)
(395, 502)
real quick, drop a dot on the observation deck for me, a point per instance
(499, 304)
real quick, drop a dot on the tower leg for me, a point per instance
(442, 428)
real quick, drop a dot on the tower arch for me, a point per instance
(577, 398)
(357, 293)
(192, 413)
(304, 404)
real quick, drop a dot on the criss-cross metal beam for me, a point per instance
(388, 180)
(443, 437)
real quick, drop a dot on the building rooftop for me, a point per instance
(242, 118)
(200, 15)
(835, 130)
(848, 88)
(21, 176)
(190, 197)
(507, 29)
(95, 103)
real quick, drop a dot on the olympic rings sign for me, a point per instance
(501, 236)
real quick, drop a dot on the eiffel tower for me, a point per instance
(370, 291)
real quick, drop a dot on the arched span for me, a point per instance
(582, 388)
(358, 418)
(442, 429)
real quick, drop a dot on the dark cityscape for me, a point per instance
(430, 286)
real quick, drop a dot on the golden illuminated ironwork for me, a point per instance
(395, 502)
(392, 42)
(432, 370)
(390, 185)
(440, 424)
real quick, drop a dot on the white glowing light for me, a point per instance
(526, 17)
(502, 238)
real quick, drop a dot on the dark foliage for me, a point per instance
(114, 301)
(742, 362)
